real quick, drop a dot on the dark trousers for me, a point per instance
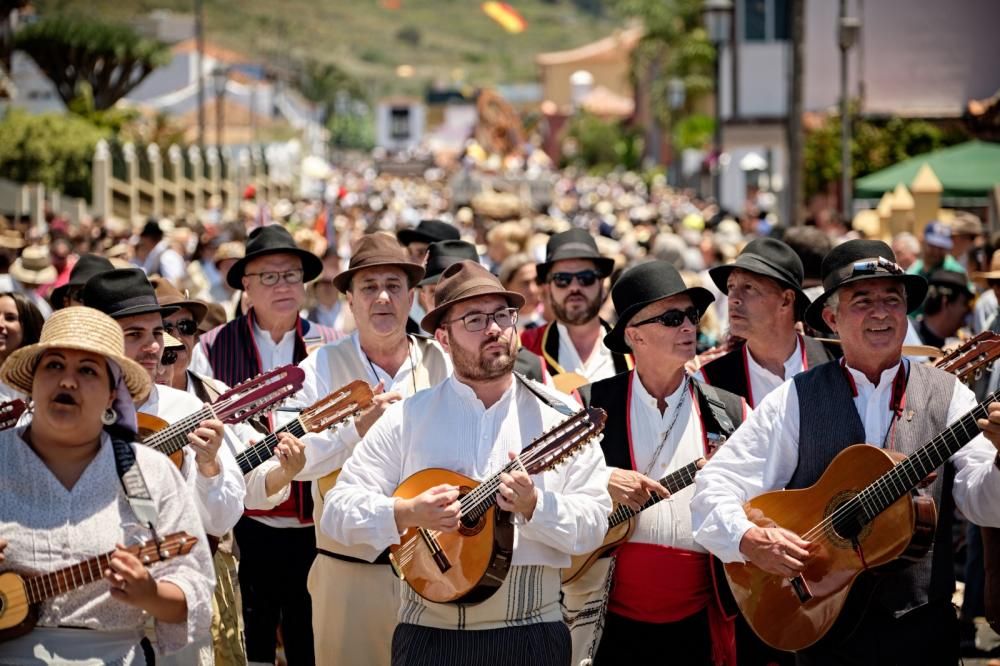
(274, 566)
(543, 644)
(926, 635)
(686, 642)
(751, 651)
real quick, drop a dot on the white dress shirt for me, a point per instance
(763, 381)
(763, 453)
(447, 426)
(272, 354)
(600, 365)
(219, 498)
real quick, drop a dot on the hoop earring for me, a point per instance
(109, 417)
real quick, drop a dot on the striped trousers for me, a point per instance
(542, 644)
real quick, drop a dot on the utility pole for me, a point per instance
(847, 36)
(199, 38)
(793, 126)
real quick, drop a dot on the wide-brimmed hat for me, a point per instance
(86, 267)
(994, 272)
(229, 250)
(11, 239)
(83, 329)
(378, 249)
(644, 284)
(428, 231)
(858, 260)
(573, 244)
(945, 281)
(773, 259)
(443, 254)
(123, 292)
(34, 266)
(168, 294)
(460, 282)
(273, 239)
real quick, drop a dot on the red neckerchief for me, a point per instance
(897, 400)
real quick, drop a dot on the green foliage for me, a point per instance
(52, 149)
(876, 144)
(351, 132)
(694, 131)
(72, 50)
(602, 144)
(409, 35)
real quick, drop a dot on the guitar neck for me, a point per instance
(254, 456)
(173, 438)
(61, 581)
(674, 482)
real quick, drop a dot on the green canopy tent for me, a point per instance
(969, 169)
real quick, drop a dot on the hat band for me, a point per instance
(126, 303)
(587, 250)
(871, 267)
(472, 286)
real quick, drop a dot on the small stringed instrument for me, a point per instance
(234, 406)
(622, 521)
(969, 360)
(323, 414)
(20, 595)
(859, 515)
(10, 412)
(469, 565)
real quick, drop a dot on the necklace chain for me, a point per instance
(409, 355)
(663, 440)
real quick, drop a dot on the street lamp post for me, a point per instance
(676, 95)
(718, 15)
(847, 36)
(220, 75)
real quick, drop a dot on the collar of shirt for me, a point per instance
(872, 401)
(763, 381)
(274, 354)
(649, 427)
(467, 395)
(600, 365)
(398, 382)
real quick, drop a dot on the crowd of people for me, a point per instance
(724, 347)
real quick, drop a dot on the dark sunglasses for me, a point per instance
(182, 326)
(584, 278)
(674, 318)
(169, 357)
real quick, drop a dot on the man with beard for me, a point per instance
(474, 422)
(573, 277)
(355, 596)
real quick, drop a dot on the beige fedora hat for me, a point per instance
(34, 266)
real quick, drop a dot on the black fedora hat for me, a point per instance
(858, 260)
(428, 231)
(443, 254)
(643, 284)
(86, 267)
(573, 244)
(123, 292)
(273, 239)
(771, 258)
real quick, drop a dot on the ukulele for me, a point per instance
(234, 406)
(622, 521)
(20, 596)
(323, 414)
(469, 565)
(10, 412)
(969, 360)
(860, 514)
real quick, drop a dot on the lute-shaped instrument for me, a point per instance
(969, 360)
(20, 596)
(234, 406)
(469, 565)
(323, 414)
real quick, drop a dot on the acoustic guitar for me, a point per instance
(969, 360)
(234, 406)
(20, 596)
(10, 412)
(469, 565)
(622, 521)
(859, 515)
(323, 414)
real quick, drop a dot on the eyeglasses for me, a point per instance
(182, 326)
(584, 278)
(270, 278)
(169, 357)
(477, 321)
(674, 318)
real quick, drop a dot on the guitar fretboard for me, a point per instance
(173, 438)
(674, 482)
(46, 586)
(254, 456)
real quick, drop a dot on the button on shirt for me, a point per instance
(600, 365)
(448, 427)
(763, 453)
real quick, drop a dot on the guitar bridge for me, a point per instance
(801, 589)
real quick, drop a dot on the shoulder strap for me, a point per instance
(133, 483)
(560, 407)
(719, 416)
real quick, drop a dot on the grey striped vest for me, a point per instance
(829, 423)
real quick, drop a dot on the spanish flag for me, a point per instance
(506, 16)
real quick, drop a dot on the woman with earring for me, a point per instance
(63, 502)
(20, 325)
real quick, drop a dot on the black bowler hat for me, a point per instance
(86, 267)
(644, 284)
(771, 258)
(858, 260)
(953, 282)
(428, 231)
(573, 244)
(273, 239)
(123, 292)
(443, 254)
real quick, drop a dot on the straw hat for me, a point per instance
(11, 239)
(34, 266)
(83, 329)
(993, 273)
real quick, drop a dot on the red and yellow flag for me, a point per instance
(506, 16)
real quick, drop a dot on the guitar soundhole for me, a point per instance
(846, 524)
(3, 604)
(472, 523)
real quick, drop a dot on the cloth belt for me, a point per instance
(383, 557)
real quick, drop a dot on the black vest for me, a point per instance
(829, 423)
(730, 373)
